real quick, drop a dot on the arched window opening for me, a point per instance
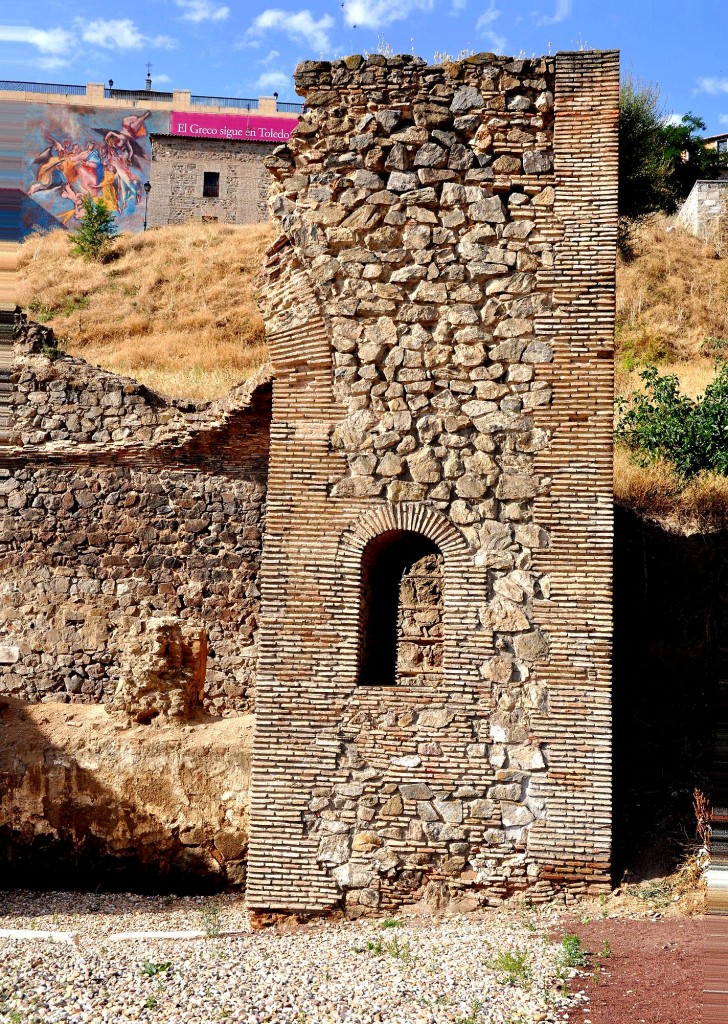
(401, 609)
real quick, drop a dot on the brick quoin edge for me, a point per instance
(440, 313)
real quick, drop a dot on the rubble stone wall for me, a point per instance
(439, 310)
(117, 506)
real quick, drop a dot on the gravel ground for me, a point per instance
(413, 971)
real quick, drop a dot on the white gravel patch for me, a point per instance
(420, 971)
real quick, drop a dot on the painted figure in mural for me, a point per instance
(126, 141)
(65, 171)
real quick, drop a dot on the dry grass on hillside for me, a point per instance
(698, 505)
(173, 308)
(672, 299)
(672, 309)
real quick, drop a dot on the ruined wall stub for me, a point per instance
(440, 311)
(117, 506)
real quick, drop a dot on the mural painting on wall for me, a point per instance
(77, 152)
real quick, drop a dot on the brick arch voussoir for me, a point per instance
(409, 516)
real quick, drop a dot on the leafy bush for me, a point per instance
(96, 230)
(660, 423)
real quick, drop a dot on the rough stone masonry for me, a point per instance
(439, 312)
(403, 569)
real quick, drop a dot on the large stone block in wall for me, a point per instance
(162, 673)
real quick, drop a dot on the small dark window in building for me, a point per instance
(401, 609)
(211, 184)
(722, 145)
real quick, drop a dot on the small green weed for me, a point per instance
(72, 303)
(472, 1017)
(211, 920)
(150, 969)
(41, 311)
(512, 966)
(527, 922)
(151, 1003)
(392, 922)
(400, 949)
(573, 953)
(606, 951)
(395, 947)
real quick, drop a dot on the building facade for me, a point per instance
(64, 142)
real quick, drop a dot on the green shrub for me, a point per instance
(660, 423)
(95, 231)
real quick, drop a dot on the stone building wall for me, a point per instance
(117, 506)
(705, 212)
(439, 310)
(178, 166)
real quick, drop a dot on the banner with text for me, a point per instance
(239, 127)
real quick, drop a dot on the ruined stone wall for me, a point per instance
(117, 506)
(439, 311)
(178, 166)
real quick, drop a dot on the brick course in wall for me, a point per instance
(178, 174)
(439, 311)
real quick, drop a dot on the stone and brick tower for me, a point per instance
(433, 703)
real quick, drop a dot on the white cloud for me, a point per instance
(713, 86)
(723, 118)
(563, 10)
(162, 79)
(673, 119)
(273, 56)
(300, 26)
(483, 25)
(48, 40)
(202, 10)
(377, 13)
(458, 6)
(488, 17)
(272, 81)
(119, 34)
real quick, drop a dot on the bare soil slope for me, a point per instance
(174, 307)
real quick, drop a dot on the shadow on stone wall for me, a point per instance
(88, 804)
(671, 618)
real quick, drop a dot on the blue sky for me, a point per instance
(250, 47)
